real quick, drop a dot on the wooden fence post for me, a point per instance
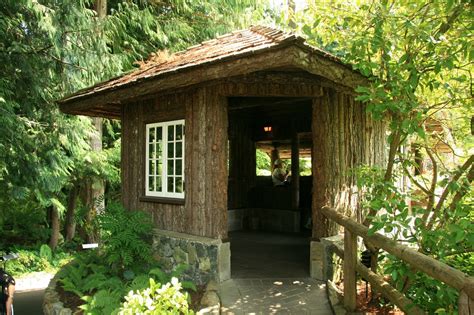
(350, 260)
(465, 304)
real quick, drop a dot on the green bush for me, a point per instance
(157, 299)
(36, 259)
(121, 264)
(125, 237)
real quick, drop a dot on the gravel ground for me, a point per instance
(33, 281)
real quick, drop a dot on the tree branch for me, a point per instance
(446, 191)
(431, 195)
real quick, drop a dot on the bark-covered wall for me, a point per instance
(344, 137)
(204, 210)
(242, 162)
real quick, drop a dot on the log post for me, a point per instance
(295, 170)
(465, 304)
(350, 261)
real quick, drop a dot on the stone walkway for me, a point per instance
(33, 281)
(274, 296)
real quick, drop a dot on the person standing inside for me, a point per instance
(8, 290)
(279, 175)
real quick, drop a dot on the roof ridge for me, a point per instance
(265, 30)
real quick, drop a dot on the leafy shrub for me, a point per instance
(123, 263)
(157, 299)
(36, 259)
(125, 237)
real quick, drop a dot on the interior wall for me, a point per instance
(242, 162)
(344, 137)
(203, 212)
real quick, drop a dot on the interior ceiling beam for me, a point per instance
(238, 103)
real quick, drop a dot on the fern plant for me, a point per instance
(126, 237)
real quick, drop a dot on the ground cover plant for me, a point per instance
(35, 259)
(122, 266)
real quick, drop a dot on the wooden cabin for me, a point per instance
(191, 124)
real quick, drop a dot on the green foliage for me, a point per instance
(157, 299)
(125, 237)
(433, 295)
(52, 48)
(121, 264)
(36, 259)
(418, 58)
(102, 289)
(263, 163)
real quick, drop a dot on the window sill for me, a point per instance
(171, 201)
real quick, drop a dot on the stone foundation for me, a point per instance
(208, 259)
(51, 303)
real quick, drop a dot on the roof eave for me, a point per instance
(290, 53)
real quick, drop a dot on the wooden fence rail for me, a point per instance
(436, 269)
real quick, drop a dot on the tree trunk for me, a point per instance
(93, 197)
(54, 239)
(70, 223)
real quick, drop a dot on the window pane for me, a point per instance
(170, 150)
(151, 183)
(159, 134)
(179, 149)
(151, 151)
(170, 184)
(179, 167)
(151, 167)
(159, 148)
(179, 184)
(179, 132)
(158, 184)
(170, 167)
(171, 133)
(151, 135)
(160, 167)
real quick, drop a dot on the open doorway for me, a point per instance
(268, 222)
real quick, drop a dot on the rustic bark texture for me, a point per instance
(54, 238)
(70, 223)
(204, 211)
(295, 171)
(242, 162)
(344, 137)
(350, 278)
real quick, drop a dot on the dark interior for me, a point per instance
(268, 223)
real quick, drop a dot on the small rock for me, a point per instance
(212, 286)
(205, 264)
(180, 256)
(166, 250)
(193, 257)
(210, 298)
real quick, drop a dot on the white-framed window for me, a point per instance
(165, 159)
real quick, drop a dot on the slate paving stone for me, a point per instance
(263, 296)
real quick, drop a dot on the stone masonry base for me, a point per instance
(207, 258)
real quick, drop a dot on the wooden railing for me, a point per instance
(430, 266)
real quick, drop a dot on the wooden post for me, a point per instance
(465, 304)
(350, 261)
(275, 155)
(295, 170)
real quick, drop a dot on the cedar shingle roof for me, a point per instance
(252, 40)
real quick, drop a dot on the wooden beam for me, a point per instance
(435, 269)
(350, 260)
(295, 170)
(382, 286)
